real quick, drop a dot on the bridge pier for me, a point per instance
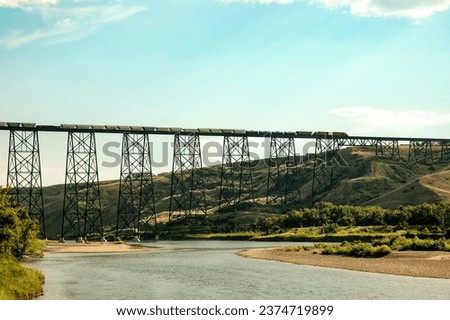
(136, 208)
(236, 184)
(282, 180)
(82, 215)
(420, 152)
(327, 165)
(388, 149)
(187, 194)
(25, 175)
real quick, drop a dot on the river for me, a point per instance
(212, 270)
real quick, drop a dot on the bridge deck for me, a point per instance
(347, 139)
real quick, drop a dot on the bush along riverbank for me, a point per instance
(17, 281)
(377, 248)
(18, 240)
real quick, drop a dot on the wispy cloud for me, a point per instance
(369, 120)
(412, 9)
(25, 3)
(261, 1)
(65, 23)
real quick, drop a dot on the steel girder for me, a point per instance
(282, 181)
(82, 214)
(136, 212)
(236, 185)
(187, 193)
(25, 175)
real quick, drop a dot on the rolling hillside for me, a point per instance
(367, 180)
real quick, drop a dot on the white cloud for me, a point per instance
(368, 120)
(25, 3)
(69, 22)
(412, 9)
(261, 1)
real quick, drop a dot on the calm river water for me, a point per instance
(212, 270)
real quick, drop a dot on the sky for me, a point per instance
(366, 67)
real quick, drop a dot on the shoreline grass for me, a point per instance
(377, 248)
(18, 281)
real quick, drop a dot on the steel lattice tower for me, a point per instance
(82, 215)
(236, 185)
(187, 194)
(445, 151)
(327, 167)
(282, 181)
(420, 152)
(136, 210)
(387, 149)
(24, 174)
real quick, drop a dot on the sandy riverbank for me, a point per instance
(94, 247)
(429, 264)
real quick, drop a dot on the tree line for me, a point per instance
(326, 213)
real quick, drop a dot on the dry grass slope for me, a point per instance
(367, 180)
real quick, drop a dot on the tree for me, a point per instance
(18, 232)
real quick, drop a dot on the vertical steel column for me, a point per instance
(136, 196)
(388, 149)
(187, 193)
(421, 152)
(82, 215)
(282, 180)
(25, 175)
(327, 167)
(236, 184)
(445, 151)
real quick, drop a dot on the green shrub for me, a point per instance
(428, 244)
(401, 243)
(17, 281)
(358, 249)
(18, 232)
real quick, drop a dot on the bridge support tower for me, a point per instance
(283, 185)
(327, 164)
(445, 151)
(24, 174)
(236, 185)
(387, 149)
(187, 194)
(136, 212)
(420, 152)
(82, 215)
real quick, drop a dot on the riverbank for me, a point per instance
(18, 281)
(428, 264)
(94, 247)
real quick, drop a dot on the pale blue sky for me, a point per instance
(365, 67)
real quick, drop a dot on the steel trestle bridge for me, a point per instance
(82, 212)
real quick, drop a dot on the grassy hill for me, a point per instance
(367, 180)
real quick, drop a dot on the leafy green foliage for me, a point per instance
(18, 237)
(358, 249)
(17, 281)
(402, 243)
(18, 232)
(328, 214)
